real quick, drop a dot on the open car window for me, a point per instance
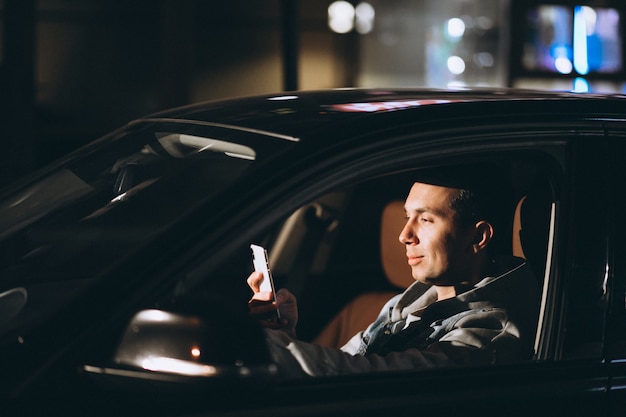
(342, 252)
(329, 251)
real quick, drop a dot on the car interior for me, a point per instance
(340, 254)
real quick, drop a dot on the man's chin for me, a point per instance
(425, 280)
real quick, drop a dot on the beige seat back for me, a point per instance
(531, 226)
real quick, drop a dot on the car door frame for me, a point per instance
(552, 382)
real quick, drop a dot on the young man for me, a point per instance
(474, 309)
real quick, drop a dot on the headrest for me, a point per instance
(531, 230)
(392, 252)
(517, 226)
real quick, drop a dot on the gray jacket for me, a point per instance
(491, 322)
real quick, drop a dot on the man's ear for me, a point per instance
(483, 235)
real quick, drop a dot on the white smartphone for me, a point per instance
(262, 264)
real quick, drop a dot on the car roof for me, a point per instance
(299, 113)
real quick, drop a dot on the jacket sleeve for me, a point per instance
(487, 336)
(296, 358)
(483, 338)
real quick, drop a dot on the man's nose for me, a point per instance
(407, 234)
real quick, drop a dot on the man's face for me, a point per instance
(439, 252)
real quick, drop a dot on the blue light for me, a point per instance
(581, 85)
(581, 63)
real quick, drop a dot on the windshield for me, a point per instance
(58, 233)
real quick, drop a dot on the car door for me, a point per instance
(576, 298)
(567, 373)
(616, 324)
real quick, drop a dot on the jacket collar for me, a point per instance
(488, 292)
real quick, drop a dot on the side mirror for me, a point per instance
(180, 346)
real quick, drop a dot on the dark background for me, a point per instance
(73, 70)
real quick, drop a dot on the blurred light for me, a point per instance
(456, 27)
(484, 22)
(581, 85)
(456, 65)
(364, 18)
(281, 98)
(195, 352)
(155, 315)
(177, 366)
(582, 16)
(484, 59)
(563, 65)
(591, 18)
(341, 16)
(456, 84)
(561, 62)
(367, 107)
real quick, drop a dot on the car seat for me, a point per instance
(532, 231)
(363, 309)
(531, 226)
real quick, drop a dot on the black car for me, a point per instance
(123, 266)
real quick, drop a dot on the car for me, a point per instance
(123, 265)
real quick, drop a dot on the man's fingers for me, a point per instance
(260, 306)
(262, 297)
(265, 312)
(254, 281)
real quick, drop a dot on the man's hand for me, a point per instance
(261, 305)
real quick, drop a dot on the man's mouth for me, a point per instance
(414, 260)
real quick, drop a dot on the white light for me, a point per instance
(177, 366)
(364, 18)
(561, 62)
(456, 27)
(591, 18)
(282, 98)
(155, 315)
(563, 65)
(341, 16)
(456, 65)
(456, 84)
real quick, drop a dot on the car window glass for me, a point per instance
(85, 216)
